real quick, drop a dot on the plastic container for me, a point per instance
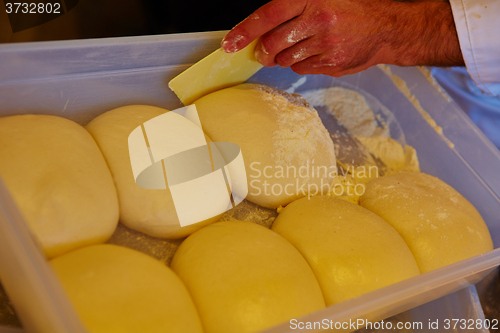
(82, 79)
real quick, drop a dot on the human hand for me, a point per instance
(338, 37)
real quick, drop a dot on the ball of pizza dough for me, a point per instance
(59, 180)
(151, 211)
(287, 151)
(351, 250)
(116, 289)
(439, 225)
(244, 277)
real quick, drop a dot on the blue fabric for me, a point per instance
(483, 109)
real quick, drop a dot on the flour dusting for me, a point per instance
(350, 108)
(300, 131)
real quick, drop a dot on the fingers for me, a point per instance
(315, 55)
(284, 39)
(318, 49)
(264, 19)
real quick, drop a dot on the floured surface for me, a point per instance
(350, 108)
(164, 249)
(250, 212)
(298, 130)
(159, 248)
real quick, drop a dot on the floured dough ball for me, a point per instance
(59, 180)
(151, 211)
(245, 278)
(116, 289)
(287, 151)
(439, 225)
(351, 250)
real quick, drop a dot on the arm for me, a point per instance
(338, 37)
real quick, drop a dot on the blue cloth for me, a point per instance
(483, 109)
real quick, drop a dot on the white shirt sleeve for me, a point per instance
(478, 27)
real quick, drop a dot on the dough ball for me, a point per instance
(287, 151)
(150, 211)
(116, 289)
(439, 225)
(59, 180)
(351, 250)
(244, 278)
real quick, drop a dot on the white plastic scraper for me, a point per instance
(216, 71)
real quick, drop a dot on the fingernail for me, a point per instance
(229, 45)
(260, 52)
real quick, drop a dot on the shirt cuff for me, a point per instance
(478, 26)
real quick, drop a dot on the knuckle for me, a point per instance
(329, 41)
(282, 60)
(287, 58)
(325, 18)
(266, 44)
(271, 12)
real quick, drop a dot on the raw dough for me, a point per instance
(439, 225)
(349, 185)
(244, 277)
(116, 289)
(288, 153)
(351, 250)
(392, 153)
(149, 211)
(59, 180)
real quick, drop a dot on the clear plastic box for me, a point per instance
(82, 79)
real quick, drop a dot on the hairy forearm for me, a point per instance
(422, 33)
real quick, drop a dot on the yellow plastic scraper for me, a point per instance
(216, 71)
